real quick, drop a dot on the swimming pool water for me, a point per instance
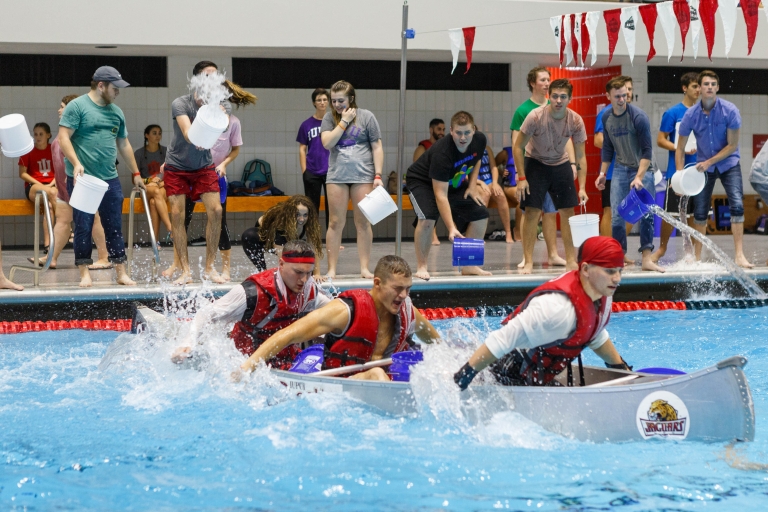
(143, 435)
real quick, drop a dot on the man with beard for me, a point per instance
(92, 131)
(436, 132)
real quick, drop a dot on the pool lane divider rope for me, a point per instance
(429, 314)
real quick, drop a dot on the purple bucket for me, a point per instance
(400, 369)
(222, 190)
(636, 205)
(310, 360)
(661, 371)
(468, 252)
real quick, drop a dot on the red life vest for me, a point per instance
(355, 345)
(544, 363)
(426, 143)
(270, 307)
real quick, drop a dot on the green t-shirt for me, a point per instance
(522, 112)
(95, 132)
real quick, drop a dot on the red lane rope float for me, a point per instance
(60, 325)
(618, 307)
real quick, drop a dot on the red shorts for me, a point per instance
(191, 183)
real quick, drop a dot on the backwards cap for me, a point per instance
(602, 251)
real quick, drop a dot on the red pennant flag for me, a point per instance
(469, 40)
(649, 15)
(562, 39)
(749, 7)
(585, 42)
(574, 40)
(612, 26)
(683, 15)
(707, 10)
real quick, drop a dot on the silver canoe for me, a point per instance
(713, 404)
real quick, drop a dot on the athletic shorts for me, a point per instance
(191, 183)
(555, 179)
(672, 202)
(463, 210)
(606, 194)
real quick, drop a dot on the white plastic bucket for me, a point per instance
(584, 226)
(208, 125)
(377, 205)
(14, 136)
(689, 181)
(88, 193)
(657, 177)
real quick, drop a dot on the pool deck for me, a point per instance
(501, 259)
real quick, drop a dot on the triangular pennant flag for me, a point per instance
(750, 8)
(648, 12)
(695, 26)
(456, 35)
(629, 18)
(585, 41)
(469, 41)
(707, 10)
(612, 19)
(667, 18)
(728, 16)
(683, 15)
(556, 22)
(593, 18)
(567, 37)
(575, 30)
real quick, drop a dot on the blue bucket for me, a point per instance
(635, 205)
(223, 188)
(400, 369)
(310, 360)
(468, 252)
(661, 371)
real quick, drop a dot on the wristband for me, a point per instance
(463, 377)
(375, 176)
(620, 366)
(573, 163)
(521, 178)
(135, 174)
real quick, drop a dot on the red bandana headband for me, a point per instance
(298, 257)
(602, 251)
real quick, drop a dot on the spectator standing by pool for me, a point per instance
(36, 169)
(628, 137)
(670, 122)
(313, 157)
(149, 159)
(715, 122)
(353, 137)
(91, 132)
(436, 132)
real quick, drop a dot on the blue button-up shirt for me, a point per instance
(711, 131)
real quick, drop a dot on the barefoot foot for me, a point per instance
(521, 264)
(225, 276)
(125, 280)
(366, 274)
(185, 278)
(657, 255)
(474, 271)
(213, 276)
(742, 261)
(527, 268)
(422, 273)
(556, 261)
(9, 285)
(651, 266)
(169, 271)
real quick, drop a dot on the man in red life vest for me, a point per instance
(556, 322)
(359, 325)
(263, 304)
(436, 132)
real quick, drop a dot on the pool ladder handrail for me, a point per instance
(156, 261)
(36, 250)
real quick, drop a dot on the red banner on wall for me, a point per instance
(758, 141)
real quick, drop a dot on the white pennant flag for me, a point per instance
(728, 15)
(593, 17)
(556, 23)
(457, 36)
(577, 33)
(629, 23)
(567, 35)
(695, 26)
(669, 23)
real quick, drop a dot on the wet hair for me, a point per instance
(616, 82)
(319, 92)
(688, 78)
(436, 121)
(239, 96)
(562, 84)
(298, 249)
(349, 91)
(533, 75)
(461, 118)
(282, 217)
(390, 265)
(708, 73)
(200, 66)
(44, 126)
(69, 97)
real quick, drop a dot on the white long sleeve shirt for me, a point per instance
(548, 318)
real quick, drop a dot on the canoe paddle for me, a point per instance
(352, 368)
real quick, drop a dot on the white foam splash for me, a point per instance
(209, 88)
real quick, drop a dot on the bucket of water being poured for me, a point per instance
(14, 136)
(88, 193)
(468, 252)
(377, 205)
(635, 205)
(689, 181)
(208, 125)
(400, 369)
(310, 360)
(584, 226)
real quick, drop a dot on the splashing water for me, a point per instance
(209, 88)
(752, 288)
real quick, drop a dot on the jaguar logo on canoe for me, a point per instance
(663, 414)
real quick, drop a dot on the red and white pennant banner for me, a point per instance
(457, 35)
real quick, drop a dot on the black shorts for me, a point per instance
(463, 210)
(672, 202)
(555, 179)
(606, 194)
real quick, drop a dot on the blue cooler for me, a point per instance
(400, 369)
(310, 360)
(468, 252)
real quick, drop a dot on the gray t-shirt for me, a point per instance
(759, 172)
(628, 136)
(351, 159)
(183, 155)
(149, 163)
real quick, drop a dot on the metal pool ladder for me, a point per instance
(36, 269)
(156, 261)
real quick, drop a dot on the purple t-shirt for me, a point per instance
(229, 139)
(317, 155)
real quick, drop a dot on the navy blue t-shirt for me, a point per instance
(599, 128)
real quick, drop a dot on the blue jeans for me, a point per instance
(111, 211)
(622, 177)
(734, 189)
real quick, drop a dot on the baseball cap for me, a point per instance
(109, 74)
